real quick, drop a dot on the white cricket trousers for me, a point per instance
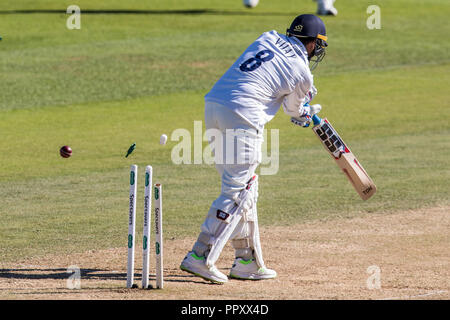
(237, 149)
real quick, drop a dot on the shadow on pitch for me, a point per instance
(154, 12)
(87, 274)
(58, 273)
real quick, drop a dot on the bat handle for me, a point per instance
(316, 120)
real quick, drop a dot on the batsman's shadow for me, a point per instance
(186, 279)
(58, 274)
(89, 274)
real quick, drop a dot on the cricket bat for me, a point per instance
(344, 158)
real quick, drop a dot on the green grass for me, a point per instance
(125, 56)
(127, 78)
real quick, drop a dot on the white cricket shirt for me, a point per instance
(273, 70)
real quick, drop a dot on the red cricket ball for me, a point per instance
(65, 151)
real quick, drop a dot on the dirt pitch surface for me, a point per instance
(328, 259)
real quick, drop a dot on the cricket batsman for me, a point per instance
(274, 71)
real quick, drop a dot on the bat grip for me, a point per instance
(316, 120)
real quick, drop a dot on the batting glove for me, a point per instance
(305, 119)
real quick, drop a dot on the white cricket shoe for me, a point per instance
(329, 12)
(249, 270)
(197, 266)
(326, 7)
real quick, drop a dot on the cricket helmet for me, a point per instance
(310, 26)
